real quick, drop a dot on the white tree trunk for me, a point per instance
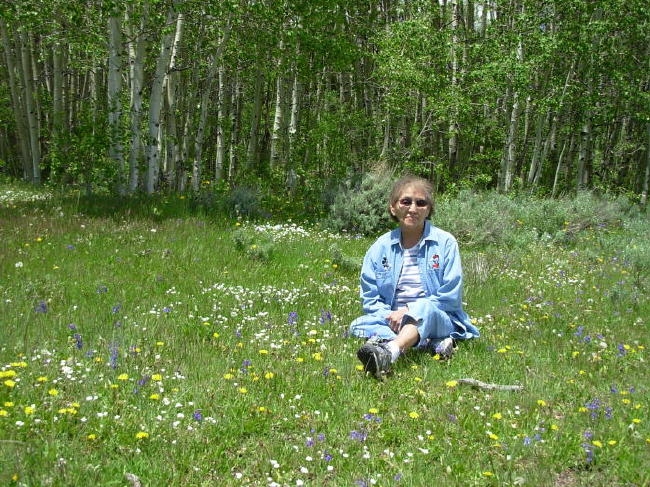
(276, 136)
(221, 105)
(172, 154)
(30, 106)
(14, 70)
(215, 63)
(156, 101)
(509, 157)
(137, 50)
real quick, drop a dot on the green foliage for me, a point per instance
(363, 208)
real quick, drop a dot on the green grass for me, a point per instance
(194, 351)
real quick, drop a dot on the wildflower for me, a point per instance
(269, 375)
(123, 377)
(488, 474)
(317, 356)
(541, 403)
(414, 415)
(154, 397)
(53, 392)
(29, 410)
(358, 435)
(293, 318)
(197, 415)
(497, 416)
(10, 383)
(141, 435)
(41, 307)
(3, 413)
(451, 383)
(156, 377)
(91, 437)
(492, 436)
(242, 390)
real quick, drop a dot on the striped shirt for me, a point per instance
(409, 285)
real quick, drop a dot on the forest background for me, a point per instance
(296, 97)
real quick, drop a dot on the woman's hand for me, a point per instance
(395, 319)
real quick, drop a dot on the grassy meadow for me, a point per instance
(141, 348)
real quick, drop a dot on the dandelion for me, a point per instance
(29, 410)
(10, 383)
(142, 435)
(242, 390)
(53, 392)
(269, 375)
(597, 443)
(451, 383)
(91, 437)
(154, 397)
(497, 416)
(156, 377)
(541, 403)
(414, 415)
(123, 377)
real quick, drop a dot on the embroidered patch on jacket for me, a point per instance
(435, 261)
(384, 263)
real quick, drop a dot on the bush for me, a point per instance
(490, 218)
(362, 209)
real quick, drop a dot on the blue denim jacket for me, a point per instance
(440, 270)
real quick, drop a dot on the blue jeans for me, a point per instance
(438, 325)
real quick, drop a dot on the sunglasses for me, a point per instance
(407, 202)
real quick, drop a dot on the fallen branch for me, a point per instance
(489, 387)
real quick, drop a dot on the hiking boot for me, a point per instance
(375, 357)
(444, 348)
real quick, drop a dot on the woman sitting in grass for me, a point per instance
(411, 285)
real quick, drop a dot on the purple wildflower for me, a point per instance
(113, 355)
(78, 341)
(293, 318)
(41, 307)
(198, 415)
(358, 435)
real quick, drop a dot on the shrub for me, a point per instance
(362, 209)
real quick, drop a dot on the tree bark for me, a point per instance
(33, 128)
(155, 103)
(18, 108)
(137, 50)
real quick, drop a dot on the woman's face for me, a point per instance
(411, 208)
